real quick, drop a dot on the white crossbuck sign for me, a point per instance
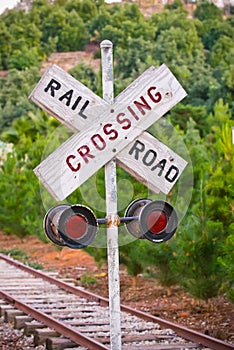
(103, 131)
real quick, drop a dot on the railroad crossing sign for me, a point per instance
(109, 131)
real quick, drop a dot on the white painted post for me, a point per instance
(111, 209)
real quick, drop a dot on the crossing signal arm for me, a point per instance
(76, 225)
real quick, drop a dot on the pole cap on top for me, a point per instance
(106, 44)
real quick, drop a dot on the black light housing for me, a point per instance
(157, 220)
(73, 226)
(51, 223)
(133, 210)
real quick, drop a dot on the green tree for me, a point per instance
(95, 26)
(67, 27)
(213, 30)
(202, 86)
(14, 91)
(122, 22)
(5, 45)
(85, 74)
(220, 188)
(206, 10)
(181, 114)
(23, 211)
(73, 35)
(177, 4)
(167, 19)
(222, 52)
(131, 60)
(177, 45)
(198, 153)
(86, 9)
(24, 58)
(198, 245)
(227, 261)
(23, 35)
(202, 243)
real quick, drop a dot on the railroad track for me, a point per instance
(62, 316)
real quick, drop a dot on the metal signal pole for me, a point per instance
(111, 209)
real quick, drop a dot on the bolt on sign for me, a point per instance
(104, 131)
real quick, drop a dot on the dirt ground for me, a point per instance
(215, 318)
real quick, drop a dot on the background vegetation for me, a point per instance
(199, 52)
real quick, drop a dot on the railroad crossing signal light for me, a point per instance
(154, 220)
(73, 226)
(76, 226)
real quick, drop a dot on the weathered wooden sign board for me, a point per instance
(109, 131)
(153, 163)
(67, 99)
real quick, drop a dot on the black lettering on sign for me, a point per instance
(76, 103)
(53, 86)
(137, 148)
(172, 173)
(67, 96)
(149, 159)
(160, 165)
(83, 108)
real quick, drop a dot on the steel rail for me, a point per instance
(186, 333)
(75, 290)
(58, 326)
(189, 334)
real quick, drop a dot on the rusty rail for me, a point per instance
(75, 336)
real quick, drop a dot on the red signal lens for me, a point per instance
(156, 222)
(76, 226)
